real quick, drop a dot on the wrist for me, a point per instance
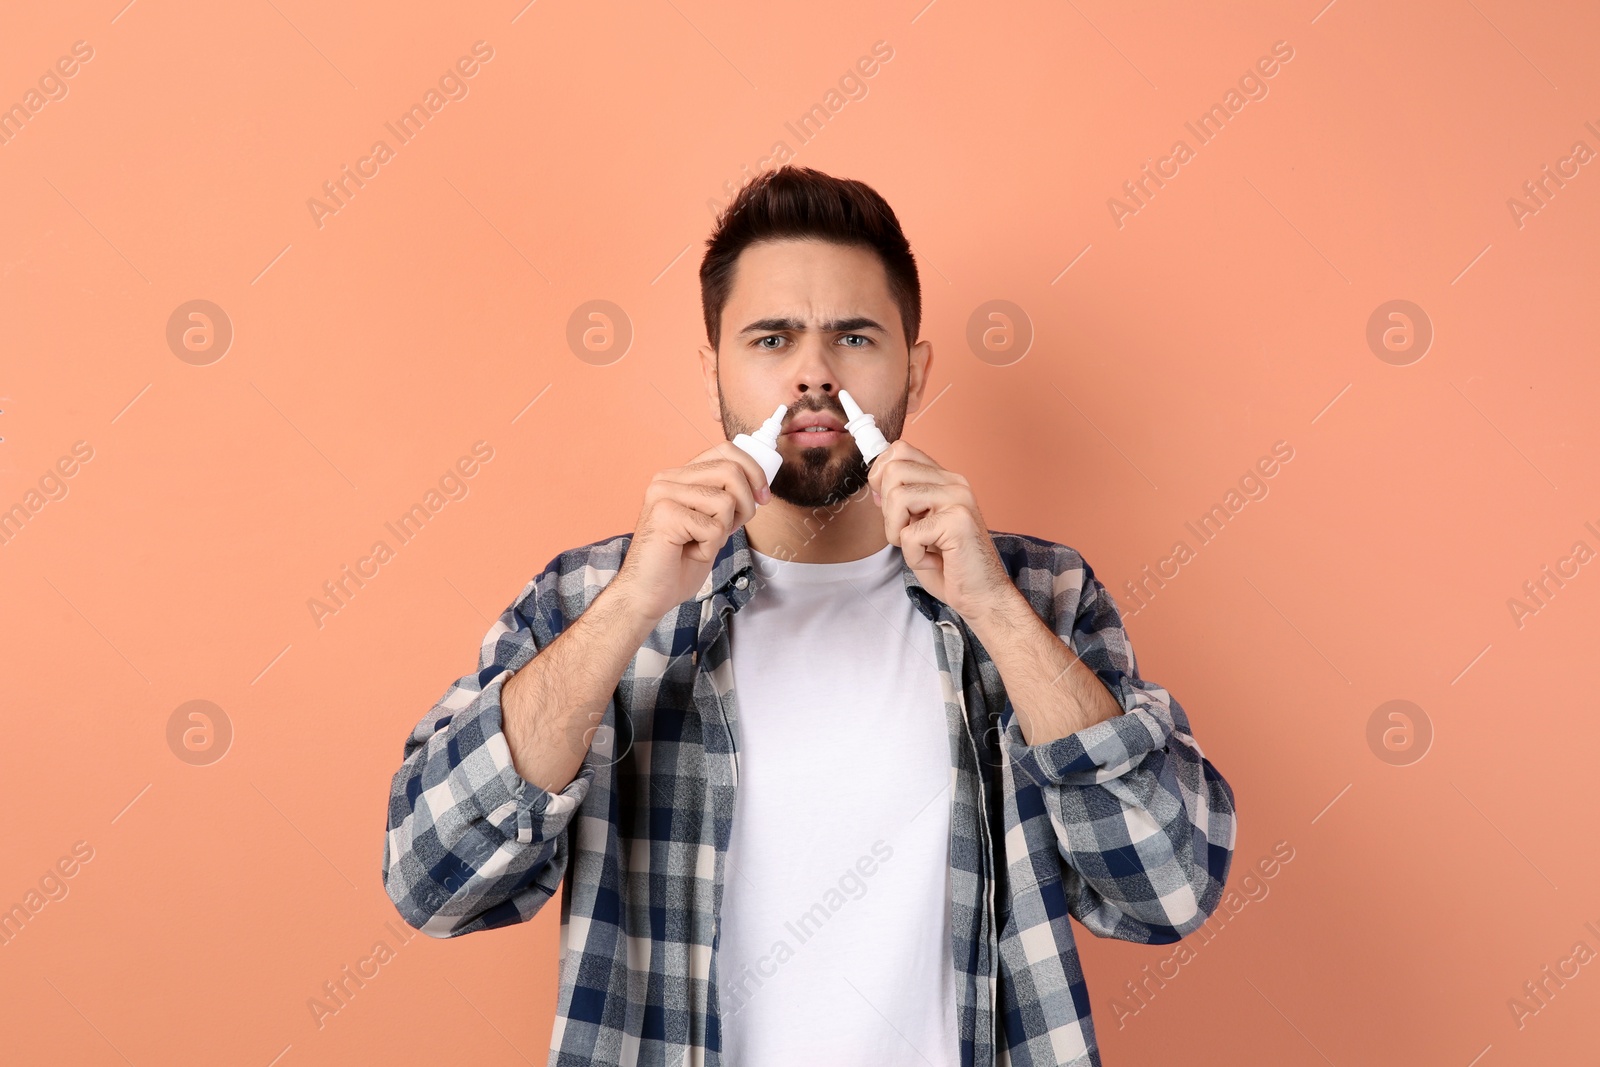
(617, 606)
(1000, 614)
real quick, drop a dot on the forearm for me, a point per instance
(551, 706)
(1053, 692)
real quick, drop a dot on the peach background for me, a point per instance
(1228, 314)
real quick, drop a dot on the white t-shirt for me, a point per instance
(835, 923)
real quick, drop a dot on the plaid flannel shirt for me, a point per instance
(1124, 826)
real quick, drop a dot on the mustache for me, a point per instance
(835, 408)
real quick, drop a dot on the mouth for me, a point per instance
(815, 437)
(815, 428)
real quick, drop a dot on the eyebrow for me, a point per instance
(859, 322)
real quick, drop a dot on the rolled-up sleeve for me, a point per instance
(1145, 825)
(470, 844)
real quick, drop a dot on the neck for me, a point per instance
(843, 531)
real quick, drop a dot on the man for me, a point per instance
(821, 769)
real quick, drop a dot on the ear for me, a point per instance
(708, 371)
(920, 373)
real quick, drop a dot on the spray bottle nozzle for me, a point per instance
(864, 428)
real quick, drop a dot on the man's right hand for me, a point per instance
(553, 706)
(689, 514)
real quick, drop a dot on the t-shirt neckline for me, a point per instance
(774, 568)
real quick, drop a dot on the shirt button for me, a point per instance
(741, 581)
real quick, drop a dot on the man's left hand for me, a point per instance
(931, 514)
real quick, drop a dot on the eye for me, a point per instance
(865, 340)
(770, 337)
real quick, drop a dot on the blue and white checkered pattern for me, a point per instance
(1124, 826)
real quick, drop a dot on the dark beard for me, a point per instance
(815, 479)
(821, 479)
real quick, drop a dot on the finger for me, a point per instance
(731, 480)
(889, 469)
(700, 534)
(909, 465)
(904, 502)
(876, 475)
(920, 538)
(912, 470)
(708, 498)
(885, 460)
(755, 478)
(904, 449)
(729, 476)
(945, 529)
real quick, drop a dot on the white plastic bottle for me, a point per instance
(864, 428)
(763, 444)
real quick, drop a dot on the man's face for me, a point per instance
(803, 320)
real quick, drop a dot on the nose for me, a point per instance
(815, 376)
(817, 396)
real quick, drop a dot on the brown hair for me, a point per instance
(802, 203)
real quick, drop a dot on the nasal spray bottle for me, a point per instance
(864, 428)
(763, 444)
